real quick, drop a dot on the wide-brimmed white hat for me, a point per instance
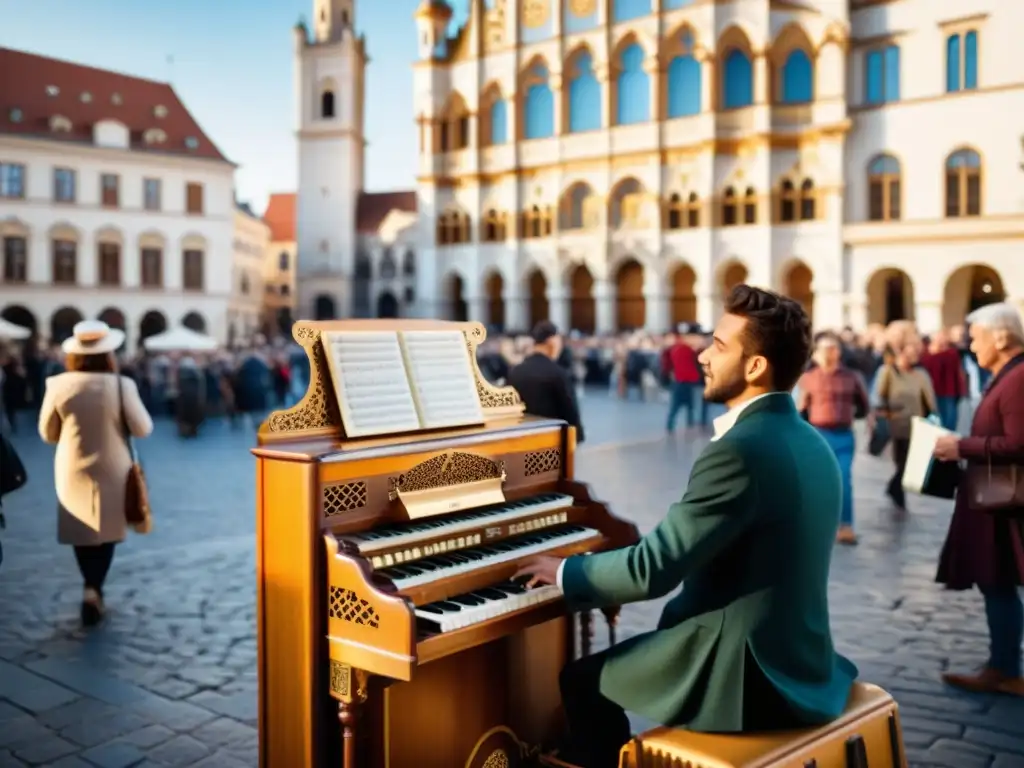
(93, 337)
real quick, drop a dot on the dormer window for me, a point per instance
(16, 115)
(191, 142)
(52, 90)
(86, 97)
(116, 99)
(160, 110)
(60, 124)
(154, 136)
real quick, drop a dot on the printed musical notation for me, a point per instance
(374, 394)
(442, 378)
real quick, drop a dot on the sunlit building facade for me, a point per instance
(617, 164)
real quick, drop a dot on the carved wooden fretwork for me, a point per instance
(444, 471)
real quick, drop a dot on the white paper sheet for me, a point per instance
(923, 436)
(442, 378)
(370, 381)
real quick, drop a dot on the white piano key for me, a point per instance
(470, 615)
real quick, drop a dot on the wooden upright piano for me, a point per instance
(389, 632)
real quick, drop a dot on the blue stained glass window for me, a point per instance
(684, 87)
(499, 122)
(624, 10)
(797, 78)
(584, 96)
(952, 63)
(971, 60)
(634, 88)
(737, 81)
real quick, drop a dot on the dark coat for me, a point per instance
(751, 542)
(980, 548)
(546, 390)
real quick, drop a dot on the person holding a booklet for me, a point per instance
(985, 543)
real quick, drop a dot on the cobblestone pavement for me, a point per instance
(170, 678)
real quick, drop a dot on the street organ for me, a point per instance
(394, 504)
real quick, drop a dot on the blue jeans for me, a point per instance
(681, 395)
(949, 413)
(842, 443)
(1005, 613)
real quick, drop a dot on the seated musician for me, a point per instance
(745, 645)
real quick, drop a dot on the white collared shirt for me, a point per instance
(728, 420)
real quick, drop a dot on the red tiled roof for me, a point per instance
(280, 217)
(375, 206)
(40, 88)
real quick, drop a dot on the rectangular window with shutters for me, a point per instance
(151, 194)
(110, 264)
(882, 75)
(15, 260)
(152, 268)
(12, 180)
(63, 185)
(65, 262)
(192, 265)
(194, 198)
(110, 190)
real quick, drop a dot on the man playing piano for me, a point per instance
(745, 645)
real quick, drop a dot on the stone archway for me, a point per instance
(494, 289)
(630, 305)
(19, 315)
(797, 284)
(387, 305)
(538, 293)
(324, 308)
(195, 322)
(113, 317)
(683, 297)
(455, 295)
(731, 274)
(152, 323)
(63, 322)
(582, 309)
(890, 296)
(969, 288)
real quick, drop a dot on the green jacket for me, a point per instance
(751, 543)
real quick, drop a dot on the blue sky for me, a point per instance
(232, 66)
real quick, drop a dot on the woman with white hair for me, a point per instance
(982, 548)
(86, 412)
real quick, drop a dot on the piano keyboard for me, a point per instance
(373, 543)
(474, 607)
(431, 569)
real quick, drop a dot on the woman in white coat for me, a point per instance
(81, 413)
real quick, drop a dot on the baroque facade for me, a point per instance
(621, 164)
(113, 204)
(249, 256)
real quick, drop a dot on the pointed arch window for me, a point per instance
(499, 122)
(737, 80)
(683, 213)
(409, 263)
(633, 87)
(576, 205)
(584, 95)
(684, 81)
(536, 222)
(750, 206)
(884, 189)
(388, 267)
(539, 105)
(787, 202)
(453, 228)
(797, 78)
(963, 184)
(327, 104)
(495, 228)
(808, 201)
(730, 208)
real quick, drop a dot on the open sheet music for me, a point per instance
(389, 381)
(918, 472)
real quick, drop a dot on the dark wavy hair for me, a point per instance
(777, 328)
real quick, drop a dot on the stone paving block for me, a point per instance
(222, 760)
(45, 751)
(179, 751)
(22, 730)
(71, 761)
(30, 691)
(958, 754)
(9, 712)
(7, 758)
(148, 737)
(1008, 761)
(240, 706)
(998, 742)
(89, 681)
(224, 731)
(172, 688)
(176, 715)
(114, 754)
(82, 709)
(928, 725)
(91, 733)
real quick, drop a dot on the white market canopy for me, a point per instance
(11, 332)
(180, 339)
